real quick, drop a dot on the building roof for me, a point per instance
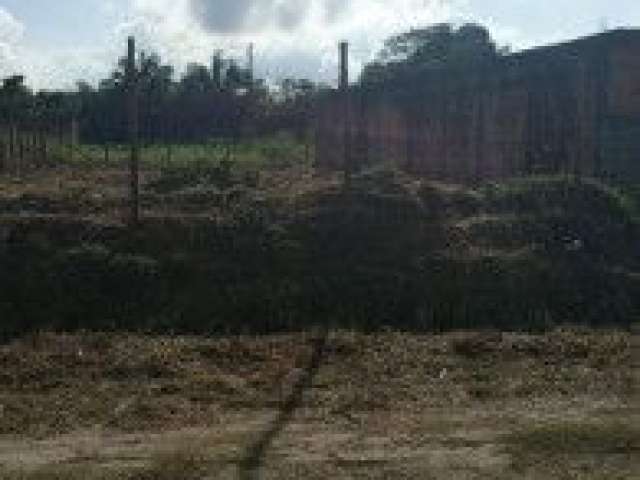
(587, 43)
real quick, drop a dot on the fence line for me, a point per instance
(541, 113)
(24, 146)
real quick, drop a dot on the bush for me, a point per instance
(93, 287)
(388, 250)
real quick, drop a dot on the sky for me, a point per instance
(57, 42)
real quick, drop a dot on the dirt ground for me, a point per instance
(465, 405)
(474, 405)
(101, 194)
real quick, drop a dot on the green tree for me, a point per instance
(197, 79)
(237, 77)
(15, 99)
(414, 54)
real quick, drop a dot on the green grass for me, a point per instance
(564, 193)
(276, 151)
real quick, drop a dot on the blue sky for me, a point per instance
(56, 42)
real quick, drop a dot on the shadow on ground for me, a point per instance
(251, 464)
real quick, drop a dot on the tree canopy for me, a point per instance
(221, 99)
(415, 54)
(203, 103)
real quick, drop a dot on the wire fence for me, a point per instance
(236, 229)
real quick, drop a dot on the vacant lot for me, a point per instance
(224, 251)
(389, 405)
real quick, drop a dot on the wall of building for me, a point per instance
(573, 107)
(620, 132)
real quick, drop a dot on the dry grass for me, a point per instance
(128, 383)
(390, 405)
(101, 193)
(596, 449)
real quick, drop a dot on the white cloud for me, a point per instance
(47, 67)
(292, 37)
(11, 30)
(260, 15)
(11, 34)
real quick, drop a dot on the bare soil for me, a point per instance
(388, 405)
(476, 405)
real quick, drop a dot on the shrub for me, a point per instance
(93, 287)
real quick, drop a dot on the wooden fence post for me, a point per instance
(250, 64)
(344, 91)
(73, 138)
(3, 152)
(217, 70)
(43, 146)
(12, 143)
(362, 134)
(20, 139)
(132, 92)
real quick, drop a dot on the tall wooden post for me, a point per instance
(217, 70)
(20, 140)
(250, 63)
(344, 92)
(344, 65)
(132, 92)
(73, 138)
(44, 147)
(13, 135)
(361, 147)
(3, 156)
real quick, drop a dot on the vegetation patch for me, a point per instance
(299, 247)
(578, 438)
(591, 449)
